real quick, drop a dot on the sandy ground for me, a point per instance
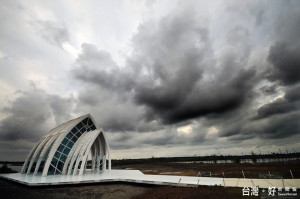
(12, 190)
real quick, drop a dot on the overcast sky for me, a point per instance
(162, 78)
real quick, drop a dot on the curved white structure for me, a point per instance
(66, 148)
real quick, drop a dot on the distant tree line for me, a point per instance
(213, 158)
(5, 169)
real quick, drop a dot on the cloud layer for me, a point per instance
(196, 76)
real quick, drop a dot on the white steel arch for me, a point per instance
(66, 148)
(43, 153)
(36, 153)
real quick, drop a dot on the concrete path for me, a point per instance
(137, 176)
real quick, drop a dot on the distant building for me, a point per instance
(67, 148)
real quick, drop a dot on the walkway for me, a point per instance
(137, 176)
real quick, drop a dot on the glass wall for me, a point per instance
(66, 145)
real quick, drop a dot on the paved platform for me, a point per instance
(137, 176)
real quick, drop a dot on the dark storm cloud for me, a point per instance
(285, 60)
(131, 139)
(280, 127)
(163, 137)
(276, 126)
(278, 107)
(23, 121)
(98, 68)
(52, 32)
(177, 53)
(284, 52)
(289, 103)
(29, 114)
(171, 93)
(208, 100)
(165, 72)
(224, 72)
(161, 141)
(172, 57)
(231, 131)
(174, 75)
(61, 108)
(115, 111)
(119, 124)
(280, 118)
(274, 120)
(269, 90)
(14, 150)
(293, 93)
(255, 10)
